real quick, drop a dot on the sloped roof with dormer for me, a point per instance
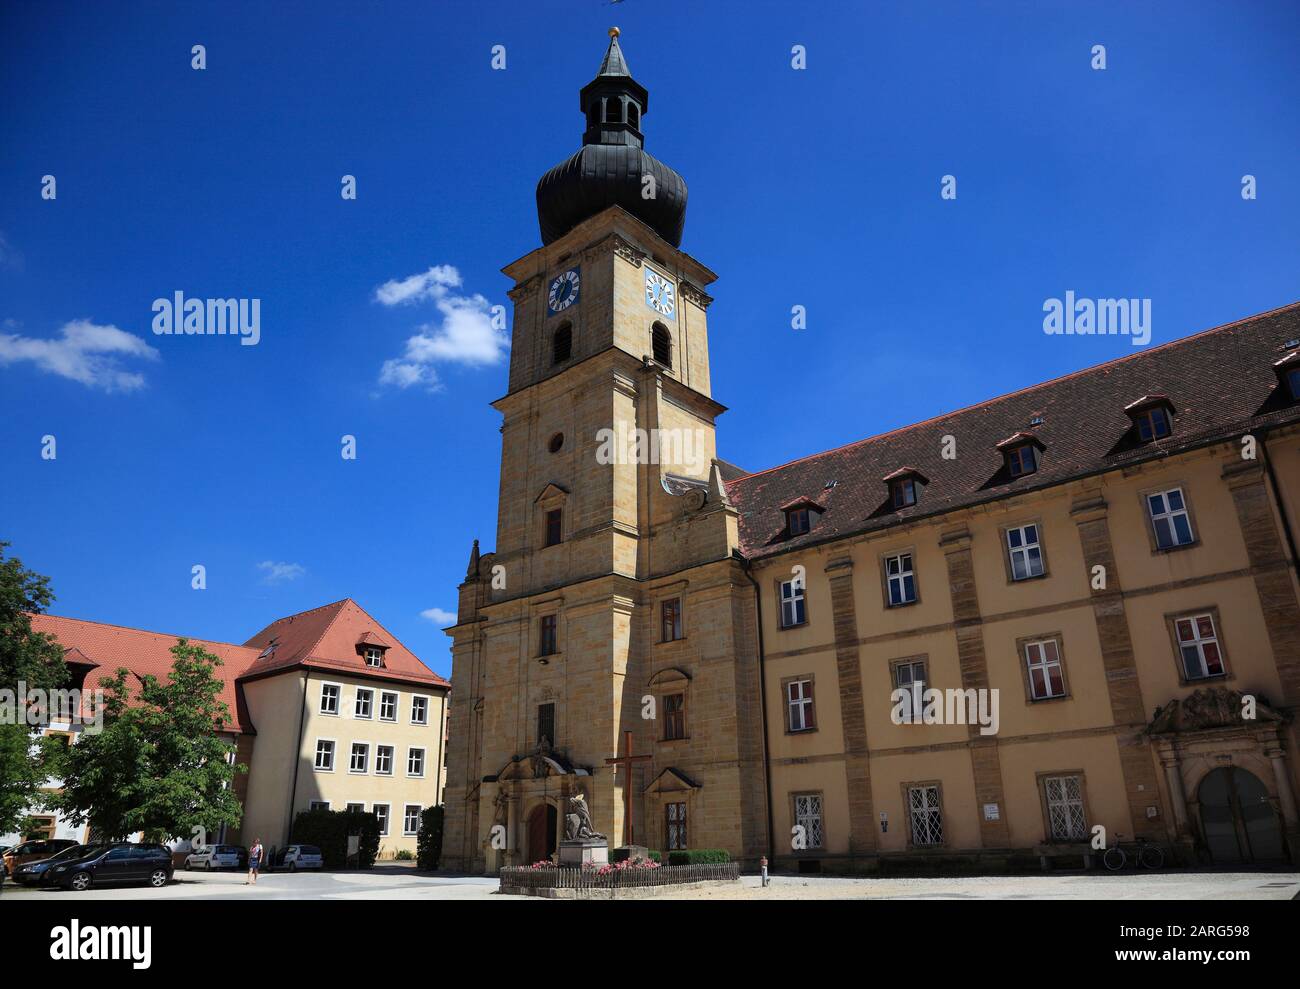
(1222, 382)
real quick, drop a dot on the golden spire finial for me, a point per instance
(614, 32)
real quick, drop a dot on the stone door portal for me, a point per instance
(542, 833)
(1237, 818)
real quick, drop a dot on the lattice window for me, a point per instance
(808, 815)
(675, 822)
(927, 819)
(1065, 808)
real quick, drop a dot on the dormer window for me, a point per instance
(371, 648)
(1021, 453)
(904, 487)
(801, 515)
(1152, 417)
(1288, 373)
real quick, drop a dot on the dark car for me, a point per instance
(33, 873)
(34, 851)
(120, 862)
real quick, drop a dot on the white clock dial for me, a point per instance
(564, 291)
(660, 293)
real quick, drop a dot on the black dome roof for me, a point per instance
(610, 168)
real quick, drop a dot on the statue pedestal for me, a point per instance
(579, 851)
(631, 853)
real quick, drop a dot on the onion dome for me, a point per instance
(611, 167)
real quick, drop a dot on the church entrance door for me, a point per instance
(1238, 821)
(542, 833)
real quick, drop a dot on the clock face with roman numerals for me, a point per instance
(660, 293)
(564, 291)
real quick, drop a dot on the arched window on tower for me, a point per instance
(613, 110)
(633, 115)
(562, 343)
(661, 342)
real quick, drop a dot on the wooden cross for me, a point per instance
(626, 760)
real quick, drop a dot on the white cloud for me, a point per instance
(279, 573)
(86, 352)
(465, 334)
(432, 284)
(438, 616)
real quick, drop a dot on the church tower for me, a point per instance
(614, 601)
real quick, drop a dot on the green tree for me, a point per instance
(35, 661)
(159, 765)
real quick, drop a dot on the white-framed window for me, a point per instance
(374, 656)
(793, 611)
(910, 677)
(419, 710)
(381, 812)
(387, 706)
(808, 815)
(1198, 641)
(329, 698)
(325, 755)
(1169, 518)
(411, 819)
(1065, 808)
(320, 805)
(902, 580)
(364, 704)
(353, 808)
(360, 760)
(925, 816)
(414, 762)
(1026, 553)
(1046, 676)
(799, 704)
(383, 760)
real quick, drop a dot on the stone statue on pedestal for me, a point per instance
(577, 822)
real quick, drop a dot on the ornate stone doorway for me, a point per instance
(542, 833)
(1237, 818)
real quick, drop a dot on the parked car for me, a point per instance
(120, 862)
(34, 873)
(302, 857)
(33, 851)
(216, 857)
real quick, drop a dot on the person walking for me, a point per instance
(254, 862)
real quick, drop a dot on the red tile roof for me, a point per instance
(1221, 381)
(327, 638)
(324, 638)
(111, 647)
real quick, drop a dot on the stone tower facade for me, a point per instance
(614, 601)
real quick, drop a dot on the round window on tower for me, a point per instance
(556, 442)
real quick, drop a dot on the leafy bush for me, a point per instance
(657, 857)
(404, 855)
(698, 856)
(428, 845)
(329, 830)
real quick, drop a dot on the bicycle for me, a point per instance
(1148, 854)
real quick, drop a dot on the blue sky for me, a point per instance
(818, 187)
